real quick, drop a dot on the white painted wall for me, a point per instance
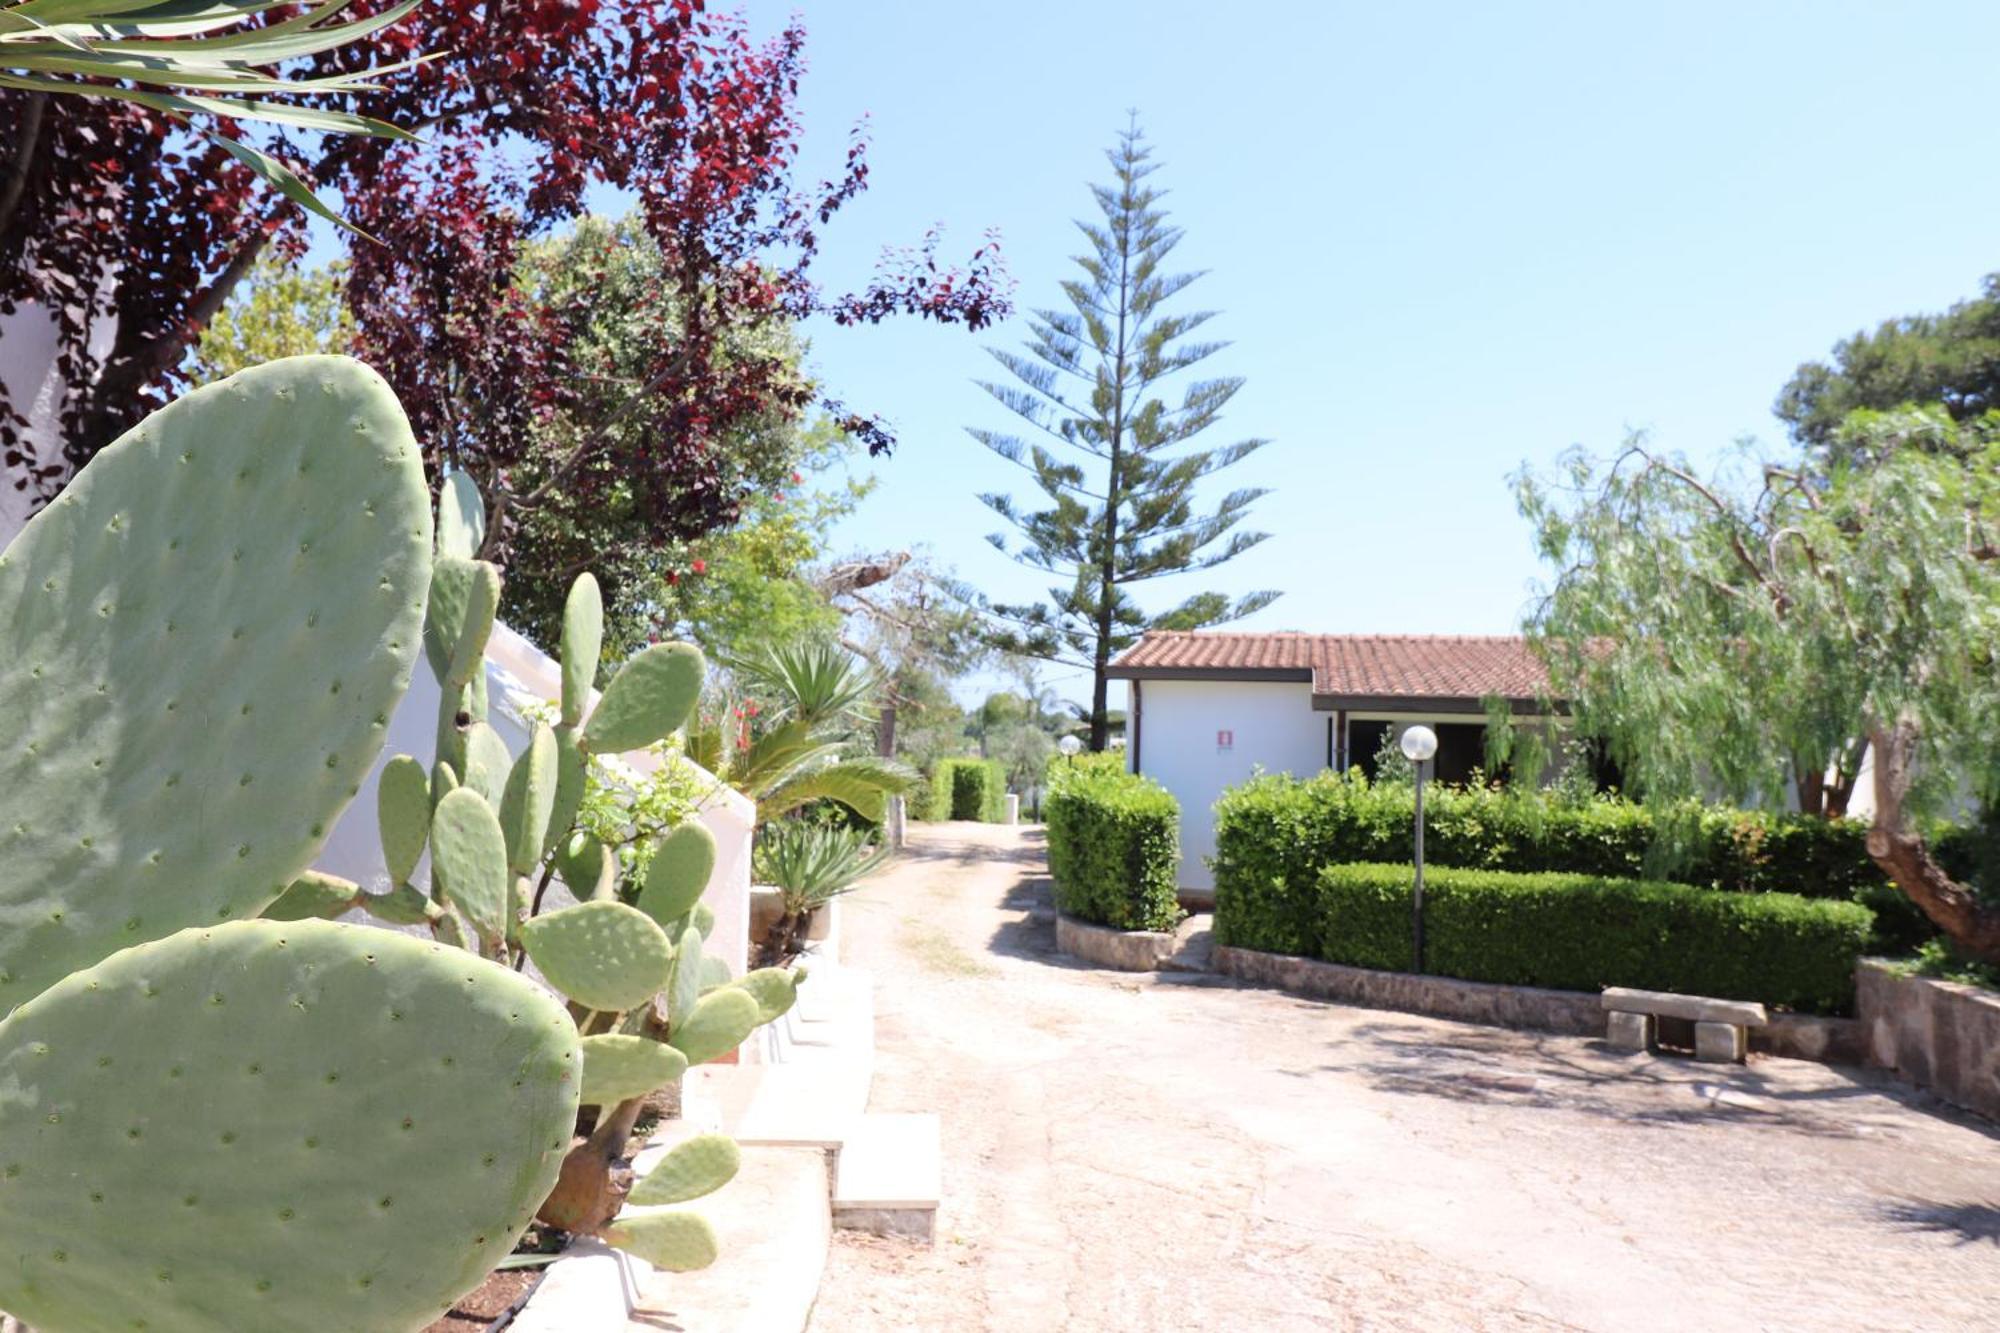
(1273, 727)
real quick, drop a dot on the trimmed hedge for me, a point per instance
(1582, 933)
(1274, 834)
(967, 788)
(1114, 847)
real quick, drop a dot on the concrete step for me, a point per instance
(774, 1230)
(889, 1176)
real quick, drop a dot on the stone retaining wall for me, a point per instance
(1940, 1035)
(1125, 950)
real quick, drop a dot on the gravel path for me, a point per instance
(1130, 1152)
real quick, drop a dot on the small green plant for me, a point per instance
(1937, 960)
(213, 1122)
(811, 865)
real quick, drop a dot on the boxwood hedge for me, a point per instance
(1274, 834)
(967, 788)
(1581, 932)
(1114, 846)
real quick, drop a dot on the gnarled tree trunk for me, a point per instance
(1900, 850)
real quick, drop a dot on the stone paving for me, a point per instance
(1138, 1152)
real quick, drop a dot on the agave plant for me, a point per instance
(195, 59)
(811, 865)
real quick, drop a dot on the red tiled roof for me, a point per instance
(1413, 666)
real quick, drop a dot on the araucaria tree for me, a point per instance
(1758, 636)
(1126, 511)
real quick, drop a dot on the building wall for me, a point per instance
(1272, 726)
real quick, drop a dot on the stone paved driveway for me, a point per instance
(1141, 1153)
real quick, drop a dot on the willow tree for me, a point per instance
(1113, 459)
(1759, 636)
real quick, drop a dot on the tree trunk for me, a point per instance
(885, 731)
(1899, 849)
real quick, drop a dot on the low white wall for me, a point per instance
(1272, 726)
(516, 673)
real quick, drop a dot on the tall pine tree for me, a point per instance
(1125, 511)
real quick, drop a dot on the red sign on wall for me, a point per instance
(1225, 740)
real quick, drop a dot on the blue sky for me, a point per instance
(1445, 239)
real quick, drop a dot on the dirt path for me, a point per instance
(1141, 1153)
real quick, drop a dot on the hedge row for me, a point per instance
(966, 788)
(1274, 834)
(1580, 932)
(1114, 847)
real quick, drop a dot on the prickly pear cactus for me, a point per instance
(274, 1126)
(617, 1066)
(201, 655)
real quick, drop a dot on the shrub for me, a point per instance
(1582, 932)
(967, 788)
(1273, 835)
(1114, 847)
(920, 801)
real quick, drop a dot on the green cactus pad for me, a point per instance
(529, 800)
(617, 1067)
(703, 918)
(714, 972)
(451, 583)
(314, 894)
(275, 1126)
(444, 781)
(583, 865)
(603, 955)
(401, 906)
(678, 1242)
(720, 1022)
(647, 700)
(403, 815)
(204, 638)
(776, 990)
(582, 645)
(693, 1167)
(684, 989)
(488, 761)
(570, 776)
(482, 603)
(678, 873)
(469, 861)
(461, 525)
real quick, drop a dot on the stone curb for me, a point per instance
(1123, 950)
(1571, 1013)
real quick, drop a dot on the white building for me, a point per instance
(1209, 709)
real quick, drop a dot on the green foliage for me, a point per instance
(617, 1067)
(1114, 846)
(693, 1167)
(1937, 960)
(604, 955)
(971, 789)
(1275, 833)
(1125, 512)
(282, 309)
(1952, 359)
(810, 864)
(1583, 932)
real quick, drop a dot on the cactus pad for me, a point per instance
(400, 906)
(488, 761)
(676, 1241)
(617, 1067)
(603, 955)
(684, 988)
(461, 528)
(315, 894)
(274, 1126)
(647, 700)
(678, 873)
(570, 781)
(403, 815)
(718, 1025)
(776, 990)
(693, 1167)
(528, 800)
(469, 859)
(205, 636)
(582, 645)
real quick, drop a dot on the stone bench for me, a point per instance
(1721, 1027)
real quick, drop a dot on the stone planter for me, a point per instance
(767, 905)
(1940, 1035)
(1124, 950)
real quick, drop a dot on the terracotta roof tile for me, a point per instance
(1417, 666)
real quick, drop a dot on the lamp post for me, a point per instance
(1069, 745)
(1419, 744)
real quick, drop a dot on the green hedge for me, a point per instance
(967, 788)
(1114, 846)
(1274, 834)
(1580, 932)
